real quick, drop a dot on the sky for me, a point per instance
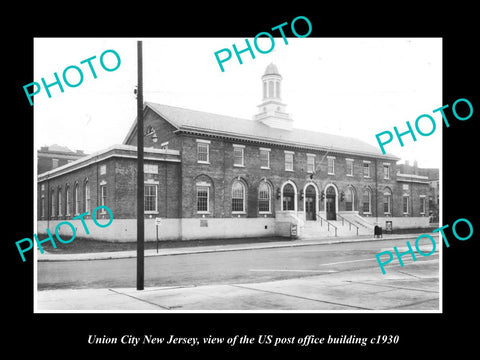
(354, 87)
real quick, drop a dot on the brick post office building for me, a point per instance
(216, 176)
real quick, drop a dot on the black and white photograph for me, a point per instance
(264, 186)
(224, 180)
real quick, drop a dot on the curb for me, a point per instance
(49, 257)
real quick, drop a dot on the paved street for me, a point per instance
(329, 276)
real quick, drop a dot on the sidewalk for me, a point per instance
(46, 256)
(412, 288)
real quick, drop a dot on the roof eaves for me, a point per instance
(260, 139)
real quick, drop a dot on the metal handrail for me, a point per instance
(328, 223)
(350, 223)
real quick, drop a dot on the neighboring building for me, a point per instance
(432, 177)
(216, 176)
(53, 156)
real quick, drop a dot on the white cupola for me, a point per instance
(271, 111)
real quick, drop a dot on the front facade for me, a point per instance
(214, 176)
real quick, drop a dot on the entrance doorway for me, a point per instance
(330, 198)
(310, 203)
(288, 195)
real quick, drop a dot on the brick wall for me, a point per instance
(120, 180)
(162, 128)
(66, 183)
(221, 173)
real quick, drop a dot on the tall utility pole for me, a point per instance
(140, 177)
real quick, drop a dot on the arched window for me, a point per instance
(76, 200)
(59, 198)
(270, 89)
(264, 197)
(86, 193)
(367, 201)
(52, 213)
(349, 199)
(67, 200)
(238, 197)
(387, 201)
(288, 202)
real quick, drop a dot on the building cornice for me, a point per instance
(122, 151)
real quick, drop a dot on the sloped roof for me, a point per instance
(228, 126)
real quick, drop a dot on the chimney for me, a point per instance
(415, 167)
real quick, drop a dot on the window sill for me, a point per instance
(351, 175)
(150, 212)
(203, 162)
(288, 170)
(203, 212)
(330, 173)
(236, 165)
(239, 212)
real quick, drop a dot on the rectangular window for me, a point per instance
(203, 149)
(150, 197)
(423, 202)
(386, 171)
(366, 169)
(349, 167)
(103, 169)
(289, 160)
(202, 199)
(311, 163)
(406, 201)
(331, 165)
(54, 163)
(238, 155)
(103, 197)
(405, 187)
(150, 168)
(265, 158)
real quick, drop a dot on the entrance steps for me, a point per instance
(350, 225)
(364, 227)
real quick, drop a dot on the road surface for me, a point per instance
(229, 267)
